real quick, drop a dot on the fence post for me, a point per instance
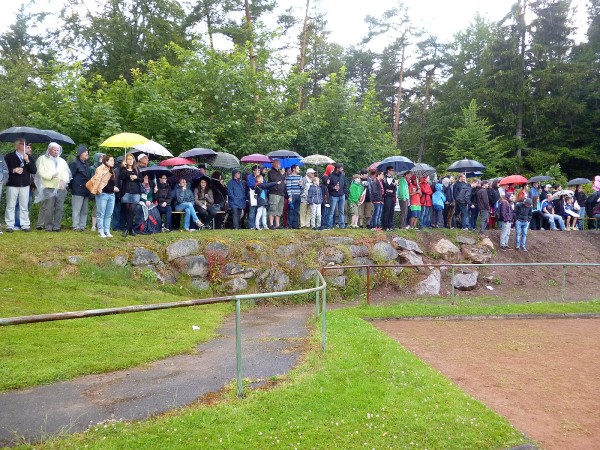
(564, 282)
(368, 285)
(238, 346)
(317, 296)
(452, 283)
(324, 320)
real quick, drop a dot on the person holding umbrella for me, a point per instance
(130, 188)
(20, 167)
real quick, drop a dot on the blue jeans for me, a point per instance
(473, 220)
(464, 211)
(105, 204)
(425, 218)
(252, 216)
(340, 202)
(376, 217)
(167, 212)
(294, 212)
(521, 227)
(188, 207)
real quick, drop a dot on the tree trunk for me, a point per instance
(209, 24)
(399, 95)
(424, 115)
(519, 112)
(249, 30)
(303, 54)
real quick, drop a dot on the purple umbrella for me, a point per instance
(255, 158)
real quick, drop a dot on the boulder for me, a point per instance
(465, 240)
(273, 280)
(487, 242)
(335, 240)
(466, 281)
(339, 281)
(74, 260)
(49, 264)
(144, 257)
(358, 251)
(185, 247)
(232, 269)
(331, 255)
(286, 251)
(476, 253)
(194, 266)
(430, 286)
(307, 275)
(362, 260)
(384, 251)
(408, 257)
(236, 285)
(405, 244)
(120, 260)
(258, 248)
(217, 248)
(292, 263)
(200, 284)
(446, 249)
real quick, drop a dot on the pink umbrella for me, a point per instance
(176, 161)
(255, 158)
(513, 179)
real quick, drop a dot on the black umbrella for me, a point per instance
(59, 138)
(577, 181)
(198, 153)
(283, 154)
(466, 165)
(398, 163)
(29, 134)
(155, 172)
(539, 179)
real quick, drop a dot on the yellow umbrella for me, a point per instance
(126, 140)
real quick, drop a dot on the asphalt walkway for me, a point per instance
(272, 338)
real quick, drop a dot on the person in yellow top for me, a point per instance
(52, 179)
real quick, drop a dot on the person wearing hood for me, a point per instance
(80, 171)
(426, 204)
(523, 213)
(438, 200)
(236, 195)
(52, 179)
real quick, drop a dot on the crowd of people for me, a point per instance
(126, 198)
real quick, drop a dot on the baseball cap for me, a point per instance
(310, 170)
(142, 155)
(548, 186)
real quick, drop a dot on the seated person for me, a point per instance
(204, 201)
(184, 201)
(163, 197)
(570, 215)
(548, 212)
(217, 184)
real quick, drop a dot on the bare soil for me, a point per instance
(520, 284)
(542, 375)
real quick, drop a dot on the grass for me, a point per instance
(366, 391)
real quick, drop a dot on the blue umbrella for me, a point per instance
(286, 163)
(398, 163)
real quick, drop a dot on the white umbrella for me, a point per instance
(562, 193)
(153, 148)
(317, 160)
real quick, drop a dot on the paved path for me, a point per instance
(272, 339)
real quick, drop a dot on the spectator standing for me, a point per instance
(276, 195)
(337, 195)
(365, 209)
(252, 196)
(314, 199)
(483, 204)
(403, 198)
(377, 199)
(356, 191)
(294, 187)
(20, 166)
(236, 196)
(104, 186)
(390, 187)
(3, 177)
(438, 200)
(523, 212)
(80, 171)
(463, 200)
(305, 209)
(505, 216)
(415, 202)
(52, 179)
(494, 198)
(458, 212)
(580, 198)
(130, 187)
(325, 180)
(426, 204)
(449, 205)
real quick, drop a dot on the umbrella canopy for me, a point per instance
(562, 193)
(318, 160)
(152, 148)
(184, 171)
(281, 154)
(198, 153)
(539, 179)
(399, 163)
(176, 161)
(423, 170)
(577, 181)
(466, 165)
(224, 161)
(255, 158)
(373, 166)
(513, 179)
(126, 140)
(59, 138)
(286, 163)
(156, 171)
(30, 134)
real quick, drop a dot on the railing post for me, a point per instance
(452, 283)
(317, 296)
(368, 285)
(238, 346)
(324, 320)
(564, 282)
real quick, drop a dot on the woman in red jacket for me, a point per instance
(415, 201)
(426, 204)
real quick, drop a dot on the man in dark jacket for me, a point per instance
(80, 171)
(463, 200)
(337, 195)
(163, 198)
(236, 197)
(390, 186)
(20, 166)
(458, 186)
(276, 195)
(523, 213)
(483, 205)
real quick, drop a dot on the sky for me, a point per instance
(441, 18)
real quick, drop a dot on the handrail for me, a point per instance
(319, 289)
(563, 265)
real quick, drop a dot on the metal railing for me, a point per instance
(453, 266)
(320, 291)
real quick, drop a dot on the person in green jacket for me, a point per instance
(403, 198)
(356, 191)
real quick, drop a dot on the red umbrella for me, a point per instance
(177, 161)
(255, 158)
(373, 166)
(513, 179)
